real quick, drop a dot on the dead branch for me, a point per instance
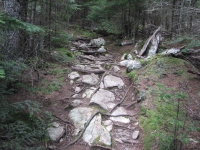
(122, 98)
(68, 122)
(193, 72)
(131, 104)
(148, 41)
(190, 52)
(96, 71)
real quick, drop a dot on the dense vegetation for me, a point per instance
(31, 30)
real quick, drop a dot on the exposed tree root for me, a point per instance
(122, 99)
(88, 122)
(97, 71)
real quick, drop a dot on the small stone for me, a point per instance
(135, 135)
(84, 95)
(101, 49)
(75, 95)
(55, 124)
(52, 147)
(71, 82)
(61, 140)
(55, 133)
(76, 102)
(73, 75)
(72, 49)
(116, 68)
(136, 123)
(97, 42)
(77, 89)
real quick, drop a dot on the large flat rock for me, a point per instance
(90, 79)
(95, 132)
(80, 116)
(104, 98)
(112, 81)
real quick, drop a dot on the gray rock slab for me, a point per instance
(90, 79)
(120, 111)
(95, 130)
(80, 116)
(112, 81)
(73, 75)
(104, 98)
(56, 132)
(135, 135)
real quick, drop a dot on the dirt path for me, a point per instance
(72, 96)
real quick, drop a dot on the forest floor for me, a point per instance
(55, 92)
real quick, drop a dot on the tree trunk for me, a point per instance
(12, 8)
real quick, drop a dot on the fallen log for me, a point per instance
(154, 45)
(96, 71)
(148, 41)
(90, 52)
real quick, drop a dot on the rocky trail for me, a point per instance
(99, 109)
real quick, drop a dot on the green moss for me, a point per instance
(62, 55)
(47, 87)
(159, 123)
(133, 75)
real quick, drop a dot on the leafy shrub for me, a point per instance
(62, 55)
(60, 40)
(10, 71)
(20, 126)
